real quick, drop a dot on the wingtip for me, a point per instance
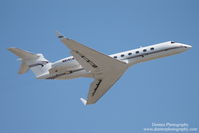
(11, 48)
(59, 35)
(83, 101)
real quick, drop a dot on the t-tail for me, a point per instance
(35, 62)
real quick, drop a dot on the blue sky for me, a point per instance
(163, 90)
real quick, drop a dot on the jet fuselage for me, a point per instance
(70, 68)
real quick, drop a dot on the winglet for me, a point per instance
(83, 101)
(59, 35)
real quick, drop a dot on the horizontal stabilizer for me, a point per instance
(22, 53)
(36, 62)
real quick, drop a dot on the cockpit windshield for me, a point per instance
(172, 42)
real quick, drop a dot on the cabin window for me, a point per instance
(115, 57)
(64, 60)
(152, 48)
(137, 52)
(122, 55)
(129, 53)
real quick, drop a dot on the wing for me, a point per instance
(105, 70)
(100, 86)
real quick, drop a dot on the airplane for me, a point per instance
(87, 62)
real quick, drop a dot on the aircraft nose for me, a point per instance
(187, 46)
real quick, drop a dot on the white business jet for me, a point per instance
(87, 62)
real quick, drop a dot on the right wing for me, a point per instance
(89, 58)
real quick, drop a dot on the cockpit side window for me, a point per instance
(172, 42)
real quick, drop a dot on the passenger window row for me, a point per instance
(137, 52)
(70, 59)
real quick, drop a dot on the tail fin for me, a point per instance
(23, 68)
(36, 62)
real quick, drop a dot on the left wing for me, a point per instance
(105, 70)
(101, 85)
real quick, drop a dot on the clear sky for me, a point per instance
(159, 91)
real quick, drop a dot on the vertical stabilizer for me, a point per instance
(23, 68)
